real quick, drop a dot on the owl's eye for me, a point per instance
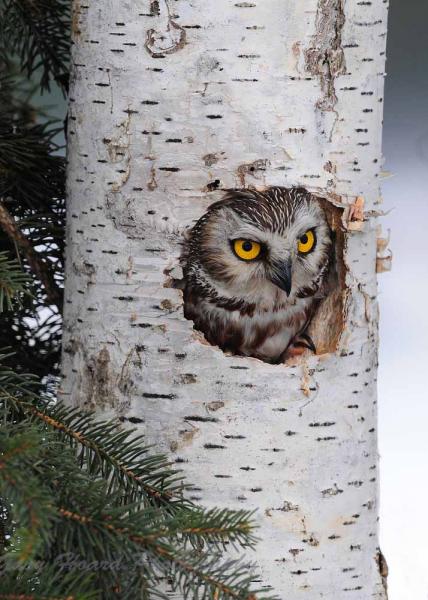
(246, 249)
(306, 242)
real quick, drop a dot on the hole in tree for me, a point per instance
(238, 293)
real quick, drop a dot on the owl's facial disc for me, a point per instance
(263, 251)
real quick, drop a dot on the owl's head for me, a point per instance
(253, 242)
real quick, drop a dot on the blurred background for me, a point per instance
(403, 392)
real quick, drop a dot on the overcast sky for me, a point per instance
(403, 393)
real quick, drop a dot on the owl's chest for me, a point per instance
(268, 335)
(264, 334)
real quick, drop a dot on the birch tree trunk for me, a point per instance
(170, 102)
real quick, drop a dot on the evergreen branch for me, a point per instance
(212, 526)
(32, 182)
(38, 266)
(109, 528)
(24, 583)
(32, 174)
(13, 387)
(30, 499)
(230, 581)
(118, 452)
(13, 453)
(35, 597)
(13, 281)
(219, 587)
(39, 33)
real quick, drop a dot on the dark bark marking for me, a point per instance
(215, 405)
(199, 419)
(333, 491)
(299, 572)
(368, 23)
(160, 396)
(210, 159)
(154, 8)
(213, 185)
(133, 420)
(214, 447)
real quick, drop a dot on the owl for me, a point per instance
(256, 265)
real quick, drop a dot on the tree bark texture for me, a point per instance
(170, 102)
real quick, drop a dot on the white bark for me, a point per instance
(169, 101)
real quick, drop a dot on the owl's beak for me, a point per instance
(281, 275)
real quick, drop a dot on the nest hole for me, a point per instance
(328, 321)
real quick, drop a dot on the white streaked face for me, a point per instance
(243, 257)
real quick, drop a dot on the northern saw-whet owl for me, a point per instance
(256, 265)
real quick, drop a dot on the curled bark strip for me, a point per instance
(384, 263)
(355, 215)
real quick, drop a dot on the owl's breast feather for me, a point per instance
(261, 334)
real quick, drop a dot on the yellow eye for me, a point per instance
(246, 249)
(306, 242)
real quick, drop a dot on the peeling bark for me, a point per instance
(325, 58)
(170, 103)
